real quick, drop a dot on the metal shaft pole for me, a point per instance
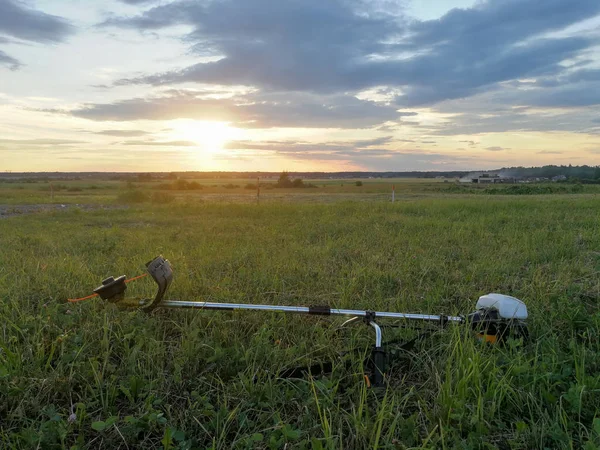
(315, 310)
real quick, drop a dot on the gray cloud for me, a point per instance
(537, 57)
(496, 148)
(123, 133)
(9, 61)
(291, 45)
(19, 21)
(575, 95)
(40, 142)
(332, 148)
(492, 24)
(359, 152)
(473, 124)
(495, 111)
(335, 46)
(160, 143)
(251, 111)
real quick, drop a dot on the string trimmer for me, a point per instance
(496, 316)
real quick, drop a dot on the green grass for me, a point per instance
(91, 376)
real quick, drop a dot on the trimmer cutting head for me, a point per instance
(113, 289)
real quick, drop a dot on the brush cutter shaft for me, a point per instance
(315, 310)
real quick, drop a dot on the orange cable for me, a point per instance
(136, 278)
(75, 300)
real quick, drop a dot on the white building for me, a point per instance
(481, 178)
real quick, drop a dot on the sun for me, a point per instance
(210, 136)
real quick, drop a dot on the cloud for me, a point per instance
(438, 80)
(137, 2)
(496, 148)
(39, 142)
(358, 153)
(258, 110)
(517, 109)
(9, 61)
(307, 45)
(306, 61)
(549, 152)
(160, 143)
(482, 117)
(567, 96)
(123, 133)
(340, 46)
(337, 148)
(22, 22)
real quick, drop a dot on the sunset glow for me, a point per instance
(174, 85)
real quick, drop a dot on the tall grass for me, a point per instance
(90, 376)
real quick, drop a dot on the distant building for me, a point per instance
(559, 178)
(480, 178)
(485, 178)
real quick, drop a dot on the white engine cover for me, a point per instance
(508, 307)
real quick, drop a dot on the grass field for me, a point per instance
(87, 375)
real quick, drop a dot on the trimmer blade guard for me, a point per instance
(162, 273)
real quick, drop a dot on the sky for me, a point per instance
(298, 85)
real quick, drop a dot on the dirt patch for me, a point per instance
(19, 210)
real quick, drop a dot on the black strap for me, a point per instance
(319, 310)
(325, 367)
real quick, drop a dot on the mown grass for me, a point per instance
(90, 376)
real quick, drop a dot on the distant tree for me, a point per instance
(359, 183)
(284, 180)
(297, 183)
(172, 176)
